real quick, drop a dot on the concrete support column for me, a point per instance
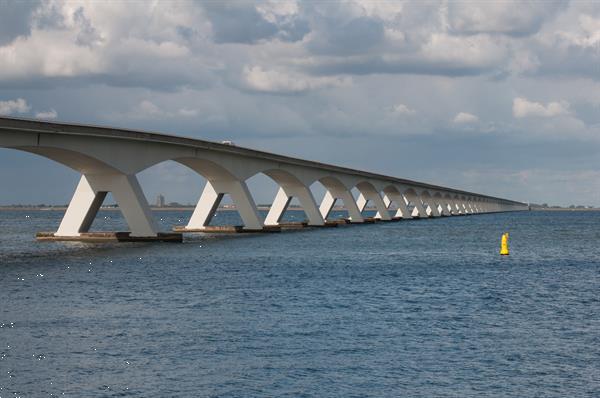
(471, 207)
(375, 198)
(400, 202)
(456, 208)
(418, 211)
(466, 206)
(332, 195)
(451, 208)
(211, 198)
(442, 207)
(90, 194)
(432, 210)
(282, 201)
(463, 207)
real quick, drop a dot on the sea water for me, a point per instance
(420, 308)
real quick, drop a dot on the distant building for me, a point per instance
(160, 201)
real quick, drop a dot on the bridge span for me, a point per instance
(110, 158)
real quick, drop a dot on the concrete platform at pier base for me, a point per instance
(327, 224)
(227, 229)
(293, 225)
(390, 220)
(336, 222)
(370, 220)
(366, 220)
(96, 237)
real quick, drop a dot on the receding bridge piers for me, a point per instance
(109, 160)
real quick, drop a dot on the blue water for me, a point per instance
(423, 308)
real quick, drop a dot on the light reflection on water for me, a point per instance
(415, 308)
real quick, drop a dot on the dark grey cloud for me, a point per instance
(569, 61)
(403, 64)
(15, 19)
(357, 36)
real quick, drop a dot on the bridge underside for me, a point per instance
(109, 162)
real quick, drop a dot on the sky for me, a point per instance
(500, 98)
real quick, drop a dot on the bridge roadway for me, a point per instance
(110, 158)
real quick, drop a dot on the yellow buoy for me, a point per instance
(504, 246)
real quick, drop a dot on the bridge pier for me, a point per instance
(90, 194)
(441, 209)
(456, 208)
(332, 195)
(367, 194)
(282, 201)
(211, 198)
(87, 200)
(397, 197)
(432, 210)
(418, 210)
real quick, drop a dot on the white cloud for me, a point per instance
(585, 34)
(465, 118)
(187, 112)
(274, 81)
(273, 10)
(524, 108)
(149, 110)
(48, 115)
(401, 109)
(14, 106)
(479, 51)
(513, 18)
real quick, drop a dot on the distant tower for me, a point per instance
(160, 201)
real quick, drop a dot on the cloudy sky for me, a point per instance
(496, 97)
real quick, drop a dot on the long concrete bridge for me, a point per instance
(110, 158)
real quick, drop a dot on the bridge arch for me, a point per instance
(291, 186)
(429, 204)
(336, 189)
(75, 160)
(393, 194)
(441, 204)
(220, 181)
(414, 199)
(368, 193)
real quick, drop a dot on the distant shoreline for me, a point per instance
(563, 209)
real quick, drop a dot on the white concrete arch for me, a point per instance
(429, 204)
(220, 181)
(339, 189)
(440, 204)
(393, 194)
(413, 197)
(449, 204)
(98, 179)
(460, 202)
(290, 186)
(471, 204)
(368, 193)
(77, 161)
